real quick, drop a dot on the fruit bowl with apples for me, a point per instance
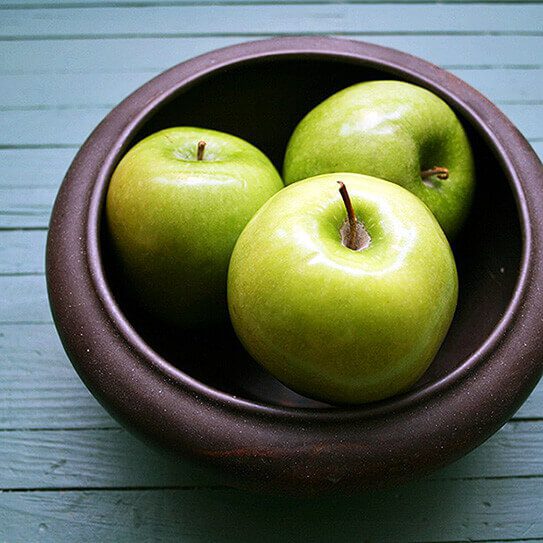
(185, 382)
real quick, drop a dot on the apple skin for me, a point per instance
(339, 325)
(392, 130)
(173, 220)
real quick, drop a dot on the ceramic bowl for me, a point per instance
(198, 394)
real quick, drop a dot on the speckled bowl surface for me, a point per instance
(198, 394)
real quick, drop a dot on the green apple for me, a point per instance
(345, 311)
(176, 204)
(393, 130)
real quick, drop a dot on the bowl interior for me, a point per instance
(262, 101)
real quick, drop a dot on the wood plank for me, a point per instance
(93, 459)
(113, 458)
(22, 251)
(532, 409)
(156, 54)
(72, 126)
(31, 4)
(26, 207)
(501, 85)
(538, 148)
(56, 127)
(434, 511)
(269, 19)
(34, 168)
(24, 300)
(64, 90)
(28, 185)
(40, 389)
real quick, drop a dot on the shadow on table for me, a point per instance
(451, 505)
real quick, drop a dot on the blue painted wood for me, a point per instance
(269, 20)
(25, 300)
(39, 389)
(34, 168)
(436, 511)
(26, 4)
(26, 207)
(22, 252)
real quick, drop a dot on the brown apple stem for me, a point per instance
(442, 173)
(201, 149)
(351, 215)
(353, 234)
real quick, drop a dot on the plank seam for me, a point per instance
(113, 488)
(23, 228)
(69, 429)
(10, 146)
(212, 3)
(487, 540)
(65, 37)
(152, 488)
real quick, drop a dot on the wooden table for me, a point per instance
(68, 472)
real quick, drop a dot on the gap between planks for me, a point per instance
(174, 35)
(70, 4)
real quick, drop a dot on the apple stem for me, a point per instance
(353, 233)
(348, 205)
(442, 173)
(201, 149)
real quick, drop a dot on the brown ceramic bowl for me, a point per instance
(200, 395)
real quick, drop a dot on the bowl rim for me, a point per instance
(109, 141)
